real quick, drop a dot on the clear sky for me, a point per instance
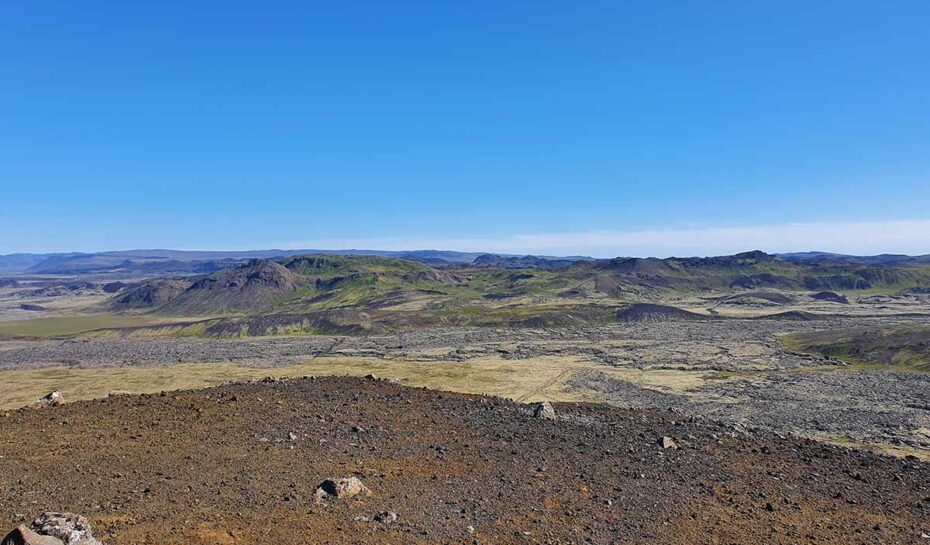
(600, 128)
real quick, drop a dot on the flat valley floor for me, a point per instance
(735, 371)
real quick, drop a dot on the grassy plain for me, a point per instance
(71, 325)
(526, 380)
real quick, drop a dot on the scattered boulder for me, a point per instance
(544, 410)
(24, 536)
(70, 528)
(341, 489)
(51, 399)
(53, 528)
(386, 517)
(668, 443)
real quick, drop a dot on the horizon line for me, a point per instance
(859, 238)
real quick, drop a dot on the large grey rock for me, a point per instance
(71, 529)
(24, 536)
(340, 489)
(51, 399)
(544, 410)
(53, 528)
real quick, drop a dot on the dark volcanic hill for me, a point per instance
(646, 312)
(248, 288)
(294, 283)
(150, 294)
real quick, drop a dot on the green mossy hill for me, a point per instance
(364, 283)
(903, 347)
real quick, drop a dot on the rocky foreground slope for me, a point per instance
(242, 464)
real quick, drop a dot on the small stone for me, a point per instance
(668, 443)
(292, 436)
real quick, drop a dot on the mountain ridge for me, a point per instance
(148, 261)
(815, 256)
(195, 261)
(411, 290)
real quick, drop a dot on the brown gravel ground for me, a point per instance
(218, 466)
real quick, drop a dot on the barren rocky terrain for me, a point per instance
(240, 464)
(729, 345)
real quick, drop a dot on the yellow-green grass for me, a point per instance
(71, 325)
(898, 451)
(535, 379)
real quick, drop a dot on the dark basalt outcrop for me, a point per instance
(646, 312)
(831, 297)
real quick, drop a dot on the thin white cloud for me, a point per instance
(862, 238)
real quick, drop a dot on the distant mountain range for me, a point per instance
(390, 291)
(200, 262)
(356, 293)
(160, 262)
(881, 259)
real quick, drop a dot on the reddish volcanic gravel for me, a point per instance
(240, 464)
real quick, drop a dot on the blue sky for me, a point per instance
(604, 128)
